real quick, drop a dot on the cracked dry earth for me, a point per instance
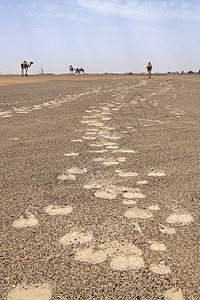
(99, 187)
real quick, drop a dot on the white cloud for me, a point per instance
(139, 10)
(146, 10)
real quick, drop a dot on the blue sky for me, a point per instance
(100, 35)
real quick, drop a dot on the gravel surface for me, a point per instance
(99, 187)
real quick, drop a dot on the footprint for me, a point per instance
(92, 186)
(91, 256)
(98, 159)
(77, 171)
(106, 119)
(123, 151)
(157, 174)
(110, 144)
(132, 195)
(123, 257)
(58, 210)
(105, 194)
(180, 219)
(76, 237)
(64, 177)
(142, 182)
(160, 269)
(79, 140)
(99, 151)
(97, 145)
(41, 292)
(166, 229)
(14, 139)
(110, 163)
(129, 202)
(132, 262)
(154, 207)
(126, 174)
(173, 294)
(135, 213)
(71, 154)
(28, 222)
(156, 246)
(112, 147)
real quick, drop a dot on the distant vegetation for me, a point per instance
(182, 72)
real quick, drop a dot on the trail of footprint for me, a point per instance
(122, 261)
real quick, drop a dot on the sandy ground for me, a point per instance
(99, 187)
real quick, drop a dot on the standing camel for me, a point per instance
(25, 66)
(71, 69)
(79, 70)
(149, 68)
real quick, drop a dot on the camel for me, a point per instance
(78, 71)
(25, 66)
(71, 69)
(149, 68)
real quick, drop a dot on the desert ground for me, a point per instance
(99, 187)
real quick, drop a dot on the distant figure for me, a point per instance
(71, 69)
(149, 68)
(25, 66)
(79, 70)
(199, 71)
(182, 72)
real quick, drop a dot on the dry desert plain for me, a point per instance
(99, 187)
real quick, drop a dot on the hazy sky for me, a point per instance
(100, 35)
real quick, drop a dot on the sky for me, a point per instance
(99, 35)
